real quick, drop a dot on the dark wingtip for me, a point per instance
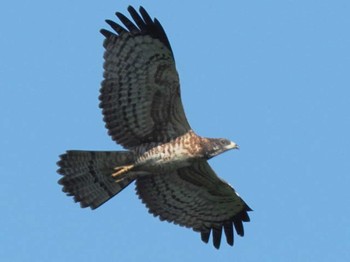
(146, 17)
(131, 9)
(118, 14)
(105, 33)
(247, 208)
(235, 222)
(142, 9)
(217, 232)
(116, 27)
(239, 227)
(141, 24)
(228, 229)
(205, 236)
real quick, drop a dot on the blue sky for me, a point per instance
(272, 76)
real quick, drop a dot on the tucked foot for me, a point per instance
(121, 172)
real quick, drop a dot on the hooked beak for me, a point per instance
(233, 145)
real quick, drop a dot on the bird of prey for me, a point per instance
(142, 109)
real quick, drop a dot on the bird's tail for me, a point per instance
(87, 175)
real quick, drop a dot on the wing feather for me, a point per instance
(195, 197)
(129, 25)
(116, 27)
(140, 93)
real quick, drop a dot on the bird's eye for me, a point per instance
(223, 142)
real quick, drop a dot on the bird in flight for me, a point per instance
(142, 110)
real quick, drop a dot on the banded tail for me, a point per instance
(87, 175)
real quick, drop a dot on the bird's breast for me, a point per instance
(168, 157)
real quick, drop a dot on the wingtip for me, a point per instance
(142, 9)
(131, 9)
(217, 233)
(118, 14)
(105, 33)
(205, 236)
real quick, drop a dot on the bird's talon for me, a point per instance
(121, 170)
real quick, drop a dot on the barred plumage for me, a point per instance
(143, 112)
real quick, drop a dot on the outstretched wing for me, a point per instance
(140, 94)
(195, 197)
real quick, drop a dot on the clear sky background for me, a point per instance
(273, 76)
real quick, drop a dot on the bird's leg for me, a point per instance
(121, 172)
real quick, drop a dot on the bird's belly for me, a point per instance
(163, 161)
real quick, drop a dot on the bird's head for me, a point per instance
(216, 146)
